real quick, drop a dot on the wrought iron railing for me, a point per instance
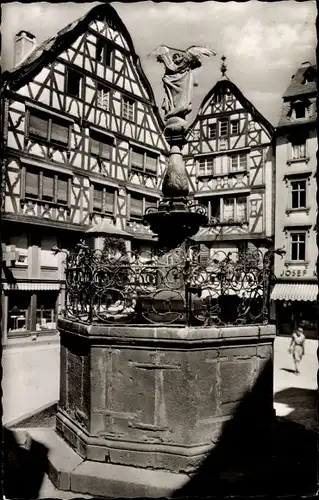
(118, 287)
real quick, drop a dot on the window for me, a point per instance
(46, 128)
(218, 98)
(222, 165)
(206, 166)
(104, 52)
(136, 207)
(212, 131)
(143, 161)
(298, 194)
(74, 83)
(298, 246)
(223, 127)
(103, 95)
(46, 186)
(100, 146)
(128, 109)
(235, 209)
(27, 313)
(234, 127)
(103, 199)
(298, 149)
(229, 209)
(299, 110)
(239, 162)
(139, 204)
(212, 205)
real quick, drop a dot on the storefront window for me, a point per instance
(46, 311)
(26, 315)
(18, 313)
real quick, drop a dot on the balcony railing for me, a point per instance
(116, 287)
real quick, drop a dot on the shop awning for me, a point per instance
(31, 286)
(295, 291)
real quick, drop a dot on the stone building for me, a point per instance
(295, 291)
(82, 143)
(229, 157)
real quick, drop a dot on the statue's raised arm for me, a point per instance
(179, 77)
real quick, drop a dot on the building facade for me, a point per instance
(295, 291)
(83, 142)
(229, 158)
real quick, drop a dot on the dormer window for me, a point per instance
(299, 110)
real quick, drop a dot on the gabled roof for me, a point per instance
(223, 84)
(51, 48)
(298, 84)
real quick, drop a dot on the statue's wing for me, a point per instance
(201, 51)
(161, 50)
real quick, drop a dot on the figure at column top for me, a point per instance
(179, 79)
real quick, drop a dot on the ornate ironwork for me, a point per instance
(174, 287)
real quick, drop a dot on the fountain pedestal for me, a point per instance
(156, 397)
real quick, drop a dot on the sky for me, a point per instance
(264, 42)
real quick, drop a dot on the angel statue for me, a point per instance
(179, 77)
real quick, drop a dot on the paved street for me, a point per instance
(30, 377)
(296, 395)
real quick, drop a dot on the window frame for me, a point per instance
(132, 103)
(208, 170)
(50, 119)
(144, 170)
(297, 233)
(210, 127)
(97, 136)
(143, 197)
(240, 167)
(107, 61)
(100, 87)
(104, 189)
(221, 201)
(220, 122)
(232, 123)
(297, 143)
(81, 83)
(299, 191)
(40, 172)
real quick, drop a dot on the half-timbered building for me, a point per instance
(83, 142)
(295, 292)
(229, 158)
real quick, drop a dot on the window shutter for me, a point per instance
(97, 199)
(136, 206)
(95, 146)
(32, 184)
(62, 191)
(109, 201)
(105, 150)
(151, 164)
(137, 159)
(38, 126)
(48, 187)
(59, 133)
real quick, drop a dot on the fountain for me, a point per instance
(158, 350)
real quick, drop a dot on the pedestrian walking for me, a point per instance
(297, 347)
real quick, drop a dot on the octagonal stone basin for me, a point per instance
(157, 396)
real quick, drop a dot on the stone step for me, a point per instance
(69, 472)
